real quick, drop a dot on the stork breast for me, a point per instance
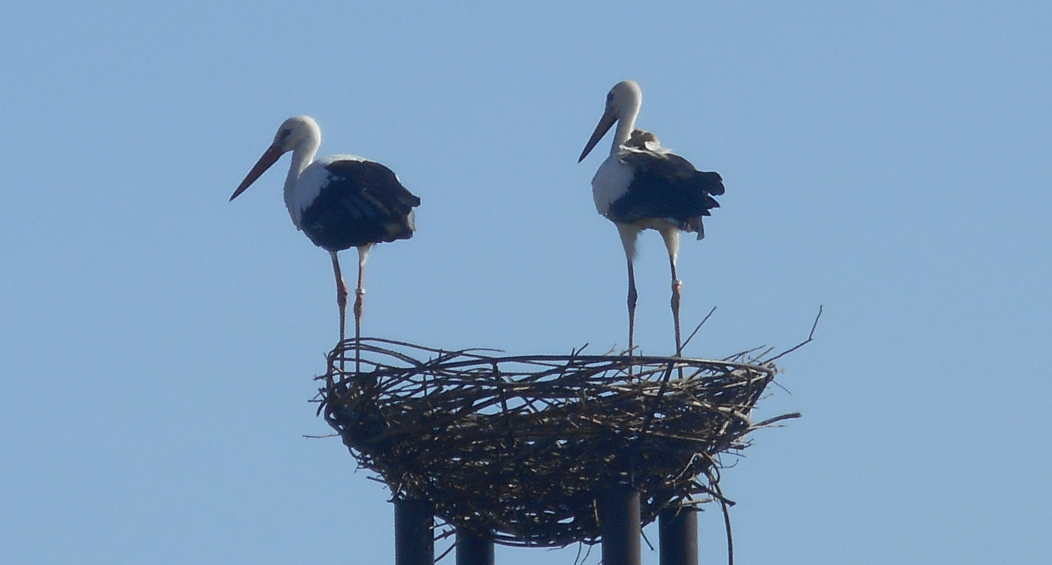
(610, 183)
(311, 182)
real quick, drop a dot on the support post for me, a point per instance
(473, 549)
(678, 536)
(619, 526)
(414, 533)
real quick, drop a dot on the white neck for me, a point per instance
(625, 124)
(302, 156)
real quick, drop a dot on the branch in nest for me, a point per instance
(810, 337)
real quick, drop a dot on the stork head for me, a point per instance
(624, 98)
(295, 132)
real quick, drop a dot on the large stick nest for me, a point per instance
(522, 445)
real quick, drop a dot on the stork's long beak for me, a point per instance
(605, 122)
(270, 156)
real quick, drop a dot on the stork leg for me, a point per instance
(628, 233)
(671, 237)
(341, 298)
(359, 303)
(631, 308)
(676, 285)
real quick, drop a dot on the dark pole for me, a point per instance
(474, 549)
(619, 526)
(678, 536)
(414, 535)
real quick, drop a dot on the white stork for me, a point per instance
(642, 185)
(339, 201)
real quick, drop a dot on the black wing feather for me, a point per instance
(362, 203)
(666, 185)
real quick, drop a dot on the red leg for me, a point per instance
(341, 298)
(359, 303)
(676, 285)
(671, 237)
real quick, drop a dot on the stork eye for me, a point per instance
(609, 97)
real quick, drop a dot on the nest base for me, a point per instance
(520, 447)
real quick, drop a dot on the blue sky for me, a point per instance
(889, 161)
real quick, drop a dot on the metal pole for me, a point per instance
(474, 549)
(619, 526)
(678, 536)
(414, 535)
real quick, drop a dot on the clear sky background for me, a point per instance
(888, 160)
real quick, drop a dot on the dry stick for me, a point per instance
(643, 535)
(693, 333)
(326, 436)
(714, 482)
(727, 524)
(446, 552)
(650, 410)
(810, 337)
(664, 382)
(785, 390)
(769, 421)
(742, 354)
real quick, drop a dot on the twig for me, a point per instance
(727, 525)
(647, 540)
(451, 547)
(769, 421)
(742, 354)
(693, 333)
(810, 337)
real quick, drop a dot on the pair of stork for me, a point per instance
(345, 201)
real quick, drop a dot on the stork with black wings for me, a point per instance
(642, 185)
(339, 202)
